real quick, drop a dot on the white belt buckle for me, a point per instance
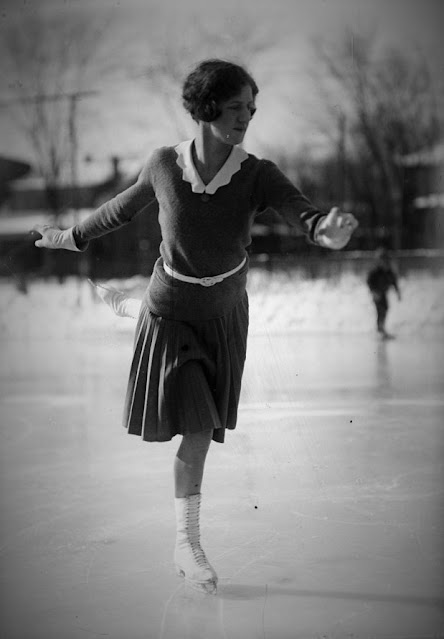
(209, 281)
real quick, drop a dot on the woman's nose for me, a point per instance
(245, 115)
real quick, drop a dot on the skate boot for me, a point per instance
(119, 303)
(384, 336)
(189, 558)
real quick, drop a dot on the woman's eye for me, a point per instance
(239, 107)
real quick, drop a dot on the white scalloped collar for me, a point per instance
(189, 174)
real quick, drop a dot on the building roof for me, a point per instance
(11, 169)
(425, 157)
(23, 222)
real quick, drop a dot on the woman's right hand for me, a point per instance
(120, 303)
(55, 238)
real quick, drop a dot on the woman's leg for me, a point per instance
(189, 463)
(381, 310)
(191, 561)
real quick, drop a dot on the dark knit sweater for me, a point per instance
(201, 238)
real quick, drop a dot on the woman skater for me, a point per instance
(191, 334)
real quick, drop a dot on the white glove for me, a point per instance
(334, 230)
(119, 303)
(54, 238)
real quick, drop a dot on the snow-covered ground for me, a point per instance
(279, 302)
(323, 511)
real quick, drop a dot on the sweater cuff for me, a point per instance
(78, 244)
(317, 239)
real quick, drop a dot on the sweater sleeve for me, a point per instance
(120, 210)
(276, 191)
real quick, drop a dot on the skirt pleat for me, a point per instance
(185, 377)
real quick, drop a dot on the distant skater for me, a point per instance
(380, 279)
(192, 323)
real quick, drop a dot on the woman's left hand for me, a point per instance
(335, 230)
(55, 238)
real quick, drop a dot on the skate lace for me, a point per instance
(199, 555)
(194, 534)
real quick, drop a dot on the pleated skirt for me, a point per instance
(185, 377)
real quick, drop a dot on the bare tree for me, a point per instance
(386, 103)
(48, 66)
(175, 52)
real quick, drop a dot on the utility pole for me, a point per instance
(342, 159)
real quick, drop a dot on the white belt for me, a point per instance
(203, 281)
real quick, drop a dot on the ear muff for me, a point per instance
(210, 111)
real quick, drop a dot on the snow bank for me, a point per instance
(279, 303)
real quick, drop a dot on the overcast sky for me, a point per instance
(125, 119)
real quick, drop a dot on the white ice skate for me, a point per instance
(190, 560)
(120, 303)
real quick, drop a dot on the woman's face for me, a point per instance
(232, 124)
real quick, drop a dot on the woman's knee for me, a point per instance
(194, 446)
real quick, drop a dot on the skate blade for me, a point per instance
(205, 587)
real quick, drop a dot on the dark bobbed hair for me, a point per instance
(213, 81)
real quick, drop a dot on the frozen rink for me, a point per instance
(323, 513)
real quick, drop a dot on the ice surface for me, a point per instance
(322, 512)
